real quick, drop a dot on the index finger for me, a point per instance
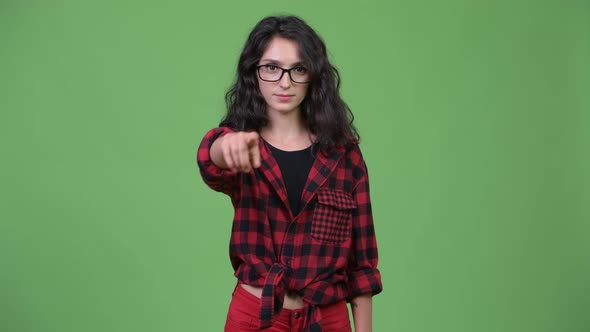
(254, 152)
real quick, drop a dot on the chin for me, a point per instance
(284, 108)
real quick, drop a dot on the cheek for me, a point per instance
(265, 88)
(304, 92)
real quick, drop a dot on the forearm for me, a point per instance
(362, 312)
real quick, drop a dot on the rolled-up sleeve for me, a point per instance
(363, 275)
(218, 179)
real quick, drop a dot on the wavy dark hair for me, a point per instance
(324, 112)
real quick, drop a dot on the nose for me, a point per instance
(285, 81)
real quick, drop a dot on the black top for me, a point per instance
(295, 166)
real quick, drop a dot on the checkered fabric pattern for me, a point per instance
(326, 253)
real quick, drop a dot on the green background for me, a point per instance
(474, 119)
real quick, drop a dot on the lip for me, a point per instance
(282, 97)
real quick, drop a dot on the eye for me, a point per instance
(300, 70)
(271, 68)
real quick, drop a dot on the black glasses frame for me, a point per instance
(282, 73)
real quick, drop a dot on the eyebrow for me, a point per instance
(267, 61)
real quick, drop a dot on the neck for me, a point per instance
(286, 131)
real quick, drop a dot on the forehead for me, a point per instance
(281, 51)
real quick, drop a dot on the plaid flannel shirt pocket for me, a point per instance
(332, 217)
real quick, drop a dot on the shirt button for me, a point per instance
(296, 315)
(288, 262)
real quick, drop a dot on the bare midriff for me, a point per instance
(292, 300)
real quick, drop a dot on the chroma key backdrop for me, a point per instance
(475, 124)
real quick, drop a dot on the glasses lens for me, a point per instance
(299, 75)
(270, 73)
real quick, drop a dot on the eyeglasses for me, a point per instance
(272, 73)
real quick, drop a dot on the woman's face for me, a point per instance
(283, 95)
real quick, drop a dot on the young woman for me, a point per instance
(303, 242)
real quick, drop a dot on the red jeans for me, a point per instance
(244, 311)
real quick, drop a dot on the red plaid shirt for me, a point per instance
(326, 253)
